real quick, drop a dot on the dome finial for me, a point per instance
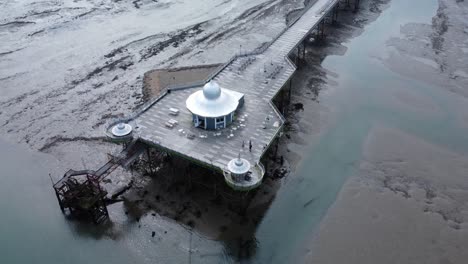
(211, 90)
(239, 161)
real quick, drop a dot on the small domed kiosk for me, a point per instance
(120, 132)
(240, 175)
(239, 169)
(213, 107)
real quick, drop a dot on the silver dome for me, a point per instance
(239, 166)
(121, 129)
(213, 101)
(211, 90)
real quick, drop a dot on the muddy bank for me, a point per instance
(407, 204)
(406, 200)
(440, 48)
(307, 118)
(100, 76)
(156, 80)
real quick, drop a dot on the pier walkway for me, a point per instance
(260, 76)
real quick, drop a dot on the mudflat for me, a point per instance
(406, 205)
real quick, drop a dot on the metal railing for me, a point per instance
(258, 51)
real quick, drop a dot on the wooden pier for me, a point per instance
(259, 75)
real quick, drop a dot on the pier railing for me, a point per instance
(255, 52)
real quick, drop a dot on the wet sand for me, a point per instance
(156, 80)
(407, 204)
(394, 202)
(435, 53)
(407, 199)
(53, 86)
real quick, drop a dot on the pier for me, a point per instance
(259, 75)
(234, 150)
(79, 193)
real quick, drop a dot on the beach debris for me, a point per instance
(299, 106)
(310, 201)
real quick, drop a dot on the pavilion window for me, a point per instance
(220, 122)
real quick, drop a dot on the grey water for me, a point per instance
(33, 230)
(359, 101)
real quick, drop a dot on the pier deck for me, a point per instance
(259, 76)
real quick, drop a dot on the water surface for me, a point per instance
(34, 231)
(363, 97)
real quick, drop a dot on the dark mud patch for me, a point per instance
(9, 52)
(84, 14)
(125, 48)
(249, 12)
(170, 193)
(440, 27)
(15, 25)
(36, 33)
(200, 200)
(52, 142)
(298, 106)
(127, 60)
(254, 13)
(174, 40)
(157, 80)
(121, 63)
(376, 6)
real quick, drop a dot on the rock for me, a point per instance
(299, 106)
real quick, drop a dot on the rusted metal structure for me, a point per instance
(80, 194)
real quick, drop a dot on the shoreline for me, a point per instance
(397, 206)
(406, 202)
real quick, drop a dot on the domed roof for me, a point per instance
(211, 90)
(213, 101)
(121, 129)
(239, 166)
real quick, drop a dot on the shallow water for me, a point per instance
(363, 97)
(33, 230)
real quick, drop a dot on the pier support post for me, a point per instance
(283, 105)
(148, 154)
(356, 5)
(335, 13)
(276, 147)
(297, 56)
(303, 50)
(321, 29)
(187, 172)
